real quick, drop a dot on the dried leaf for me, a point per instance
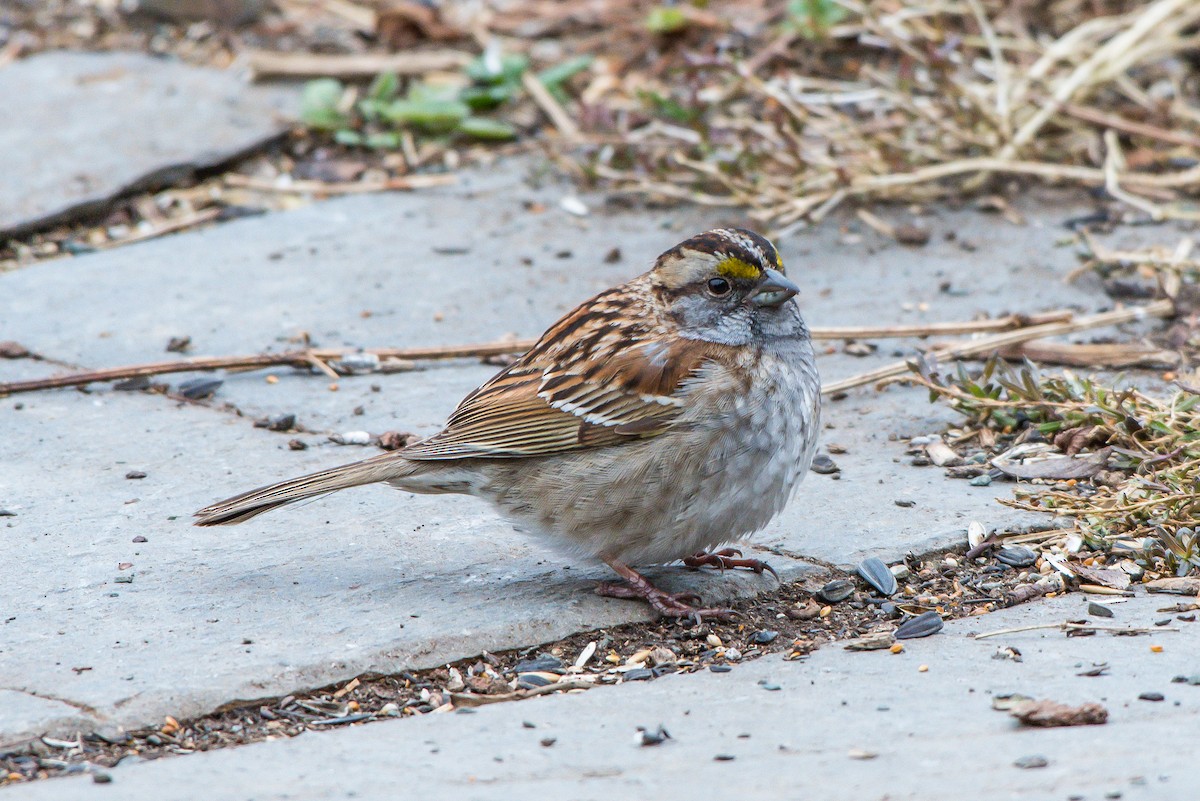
(1050, 713)
(1175, 586)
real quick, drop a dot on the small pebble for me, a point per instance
(1033, 761)
(905, 503)
(763, 637)
(548, 741)
(134, 474)
(981, 480)
(140, 538)
(771, 686)
(1099, 610)
(724, 757)
(720, 668)
(1151, 697)
(102, 778)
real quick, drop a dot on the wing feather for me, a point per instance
(584, 393)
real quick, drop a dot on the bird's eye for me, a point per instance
(719, 286)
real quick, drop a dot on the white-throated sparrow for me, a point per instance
(659, 419)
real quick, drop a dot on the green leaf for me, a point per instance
(431, 92)
(666, 107)
(491, 70)
(482, 98)
(813, 18)
(347, 137)
(319, 105)
(435, 116)
(384, 140)
(553, 77)
(385, 87)
(488, 129)
(666, 19)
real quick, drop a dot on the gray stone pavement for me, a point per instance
(843, 726)
(80, 128)
(374, 580)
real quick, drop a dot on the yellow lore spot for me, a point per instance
(736, 268)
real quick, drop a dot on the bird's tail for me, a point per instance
(239, 508)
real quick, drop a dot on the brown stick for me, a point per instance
(1159, 308)
(1114, 356)
(342, 187)
(1099, 117)
(266, 64)
(294, 358)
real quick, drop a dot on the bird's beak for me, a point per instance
(775, 290)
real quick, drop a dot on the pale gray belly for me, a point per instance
(711, 479)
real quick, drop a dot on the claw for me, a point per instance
(728, 558)
(667, 604)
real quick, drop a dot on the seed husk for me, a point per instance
(923, 625)
(877, 574)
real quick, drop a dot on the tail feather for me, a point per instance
(242, 507)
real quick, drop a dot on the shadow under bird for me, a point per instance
(659, 420)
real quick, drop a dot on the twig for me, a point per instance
(342, 188)
(477, 699)
(942, 329)
(199, 218)
(549, 104)
(266, 64)
(295, 358)
(1088, 114)
(1159, 308)
(1068, 627)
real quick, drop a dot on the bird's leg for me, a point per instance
(728, 557)
(667, 604)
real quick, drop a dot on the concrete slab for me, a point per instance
(336, 571)
(81, 128)
(125, 631)
(843, 726)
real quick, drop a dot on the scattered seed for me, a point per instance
(351, 438)
(200, 388)
(824, 465)
(923, 625)
(877, 574)
(858, 753)
(1017, 556)
(656, 737)
(836, 590)
(540, 663)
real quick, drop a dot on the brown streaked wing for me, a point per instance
(620, 394)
